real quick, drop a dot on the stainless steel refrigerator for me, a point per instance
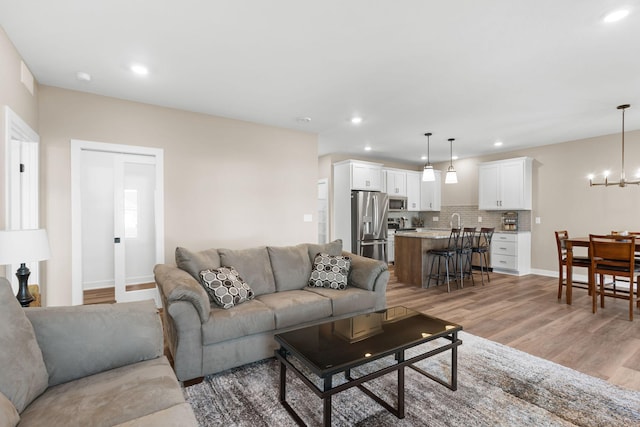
(369, 224)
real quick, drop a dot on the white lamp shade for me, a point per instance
(22, 246)
(428, 174)
(451, 177)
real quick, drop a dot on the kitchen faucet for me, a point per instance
(455, 214)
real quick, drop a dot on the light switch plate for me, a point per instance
(538, 221)
(435, 219)
(479, 219)
(308, 218)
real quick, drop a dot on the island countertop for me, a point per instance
(425, 234)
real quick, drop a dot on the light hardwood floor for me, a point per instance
(524, 313)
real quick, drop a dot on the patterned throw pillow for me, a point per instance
(225, 286)
(330, 271)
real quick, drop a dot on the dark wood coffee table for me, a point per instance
(334, 347)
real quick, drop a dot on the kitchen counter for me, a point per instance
(425, 234)
(412, 263)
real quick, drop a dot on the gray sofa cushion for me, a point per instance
(349, 300)
(8, 414)
(331, 248)
(291, 266)
(23, 375)
(249, 318)
(194, 262)
(78, 341)
(176, 416)
(107, 398)
(295, 307)
(253, 265)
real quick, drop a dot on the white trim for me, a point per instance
(21, 146)
(77, 146)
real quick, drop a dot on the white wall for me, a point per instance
(228, 183)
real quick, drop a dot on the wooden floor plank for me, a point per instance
(524, 313)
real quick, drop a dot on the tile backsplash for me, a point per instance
(468, 216)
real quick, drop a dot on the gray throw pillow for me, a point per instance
(225, 287)
(331, 248)
(253, 265)
(23, 374)
(291, 266)
(194, 262)
(330, 271)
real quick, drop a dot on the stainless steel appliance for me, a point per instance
(397, 203)
(369, 224)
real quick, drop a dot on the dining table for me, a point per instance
(572, 242)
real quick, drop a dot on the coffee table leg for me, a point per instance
(327, 402)
(454, 364)
(283, 382)
(400, 359)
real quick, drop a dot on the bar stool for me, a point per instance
(464, 253)
(447, 255)
(482, 248)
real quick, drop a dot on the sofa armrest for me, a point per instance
(178, 285)
(365, 272)
(83, 340)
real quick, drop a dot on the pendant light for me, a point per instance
(623, 181)
(427, 173)
(451, 177)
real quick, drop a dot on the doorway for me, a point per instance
(117, 220)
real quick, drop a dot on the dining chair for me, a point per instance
(613, 255)
(482, 248)
(447, 255)
(578, 261)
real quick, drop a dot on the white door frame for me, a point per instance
(21, 189)
(77, 146)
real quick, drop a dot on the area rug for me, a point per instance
(497, 386)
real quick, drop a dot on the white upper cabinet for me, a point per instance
(395, 182)
(366, 176)
(413, 190)
(505, 184)
(431, 193)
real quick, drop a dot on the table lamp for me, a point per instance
(20, 247)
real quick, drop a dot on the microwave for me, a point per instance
(397, 203)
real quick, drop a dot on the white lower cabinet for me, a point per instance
(391, 246)
(511, 253)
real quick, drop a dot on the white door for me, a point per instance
(118, 236)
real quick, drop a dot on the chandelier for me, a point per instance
(623, 181)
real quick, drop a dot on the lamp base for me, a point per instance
(23, 295)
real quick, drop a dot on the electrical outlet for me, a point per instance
(479, 219)
(435, 219)
(538, 221)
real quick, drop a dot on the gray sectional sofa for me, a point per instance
(99, 365)
(204, 338)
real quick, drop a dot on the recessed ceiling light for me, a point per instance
(497, 144)
(423, 158)
(356, 120)
(454, 157)
(139, 69)
(303, 120)
(367, 148)
(82, 76)
(616, 15)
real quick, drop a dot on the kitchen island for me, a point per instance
(412, 263)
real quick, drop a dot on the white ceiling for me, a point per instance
(523, 72)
